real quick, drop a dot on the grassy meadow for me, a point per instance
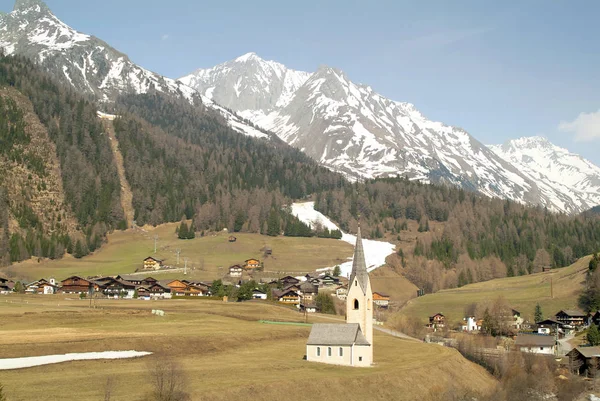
(222, 349)
(522, 293)
(209, 257)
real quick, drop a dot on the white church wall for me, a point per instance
(320, 353)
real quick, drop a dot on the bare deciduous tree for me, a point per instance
(168, 381)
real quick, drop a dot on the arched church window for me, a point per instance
(356, 304)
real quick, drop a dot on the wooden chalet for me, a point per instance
(381, 300)
(289, 280)
(184, 288)
(341, 292)
(252, 264)
(584, 361)
(236, 271)
(571, 317)
(288, 296)
(536, 344)
(137, 279)
(6, 285)
(78, 285)
(308, 291)
(118, 288)
(328, 280)
(42, 287)
(437, 321)
(151, 263)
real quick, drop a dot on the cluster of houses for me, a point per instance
(121, 286)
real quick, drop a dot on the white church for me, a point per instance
(349, 343)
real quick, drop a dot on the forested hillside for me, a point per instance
(88, 184)
(482, 238)
(190, 163)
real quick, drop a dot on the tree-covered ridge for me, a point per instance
(88, 174)
(242, 162)
(511, 238)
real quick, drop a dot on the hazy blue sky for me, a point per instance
(498, 70)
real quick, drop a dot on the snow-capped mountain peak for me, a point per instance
(555, 168)
(353, 129)
(87, 63)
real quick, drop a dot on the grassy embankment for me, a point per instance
(522, 293)
(225, 352)
(208, 257)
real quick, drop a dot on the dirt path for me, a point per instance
(126, 195)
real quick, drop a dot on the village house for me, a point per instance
(137, 280)
(183, 288)
(471, 324)
(288, 296)
(308, 307)
(288, 281)
(78, 285)
(42, 286)
(536, 343)
(549, 327)
(115, 288)
(349, 343)
(437, 321)
(328, 280)
(308, 291)
(251, 264)
(6, 286)
(232, 238)
(516, 321)
(584, 360)
(381, 300)
(236, 271)
(151, 263)
(258, 294)
(341, 292)
(313, 280)
(571, 317)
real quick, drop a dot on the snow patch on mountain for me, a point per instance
(375, 251)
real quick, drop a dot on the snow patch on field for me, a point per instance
(375, 251)
(28, 362)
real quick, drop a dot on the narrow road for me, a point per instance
(391, 332)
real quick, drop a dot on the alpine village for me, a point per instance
(252, 231)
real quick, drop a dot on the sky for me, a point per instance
(500, 70)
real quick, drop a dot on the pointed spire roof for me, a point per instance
(359, 266)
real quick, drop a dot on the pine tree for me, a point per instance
(538, 316)
(192, 231)
(593, 335)
(183, 232)
(273, 224)
(337, 271)
(79, 251)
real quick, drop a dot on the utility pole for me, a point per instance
(177, 251)
(155, 239)
(185, 267)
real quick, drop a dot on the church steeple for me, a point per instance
(359, 266)
(359, 301)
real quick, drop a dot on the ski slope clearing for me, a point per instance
(28, 362)
(375, 251)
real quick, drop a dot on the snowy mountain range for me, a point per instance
(87, 63)
(345, 126)
(354, 130)
(554, 168)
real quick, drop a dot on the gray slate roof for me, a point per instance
(336, 334)
(589, 352)
(535, 340)
(359, 266)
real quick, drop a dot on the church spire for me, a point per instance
(359, 266)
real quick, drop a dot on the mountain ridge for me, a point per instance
(352, 129)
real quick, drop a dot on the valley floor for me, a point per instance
(222, 348)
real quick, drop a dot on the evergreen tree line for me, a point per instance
(482, 238)
(184, 160)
